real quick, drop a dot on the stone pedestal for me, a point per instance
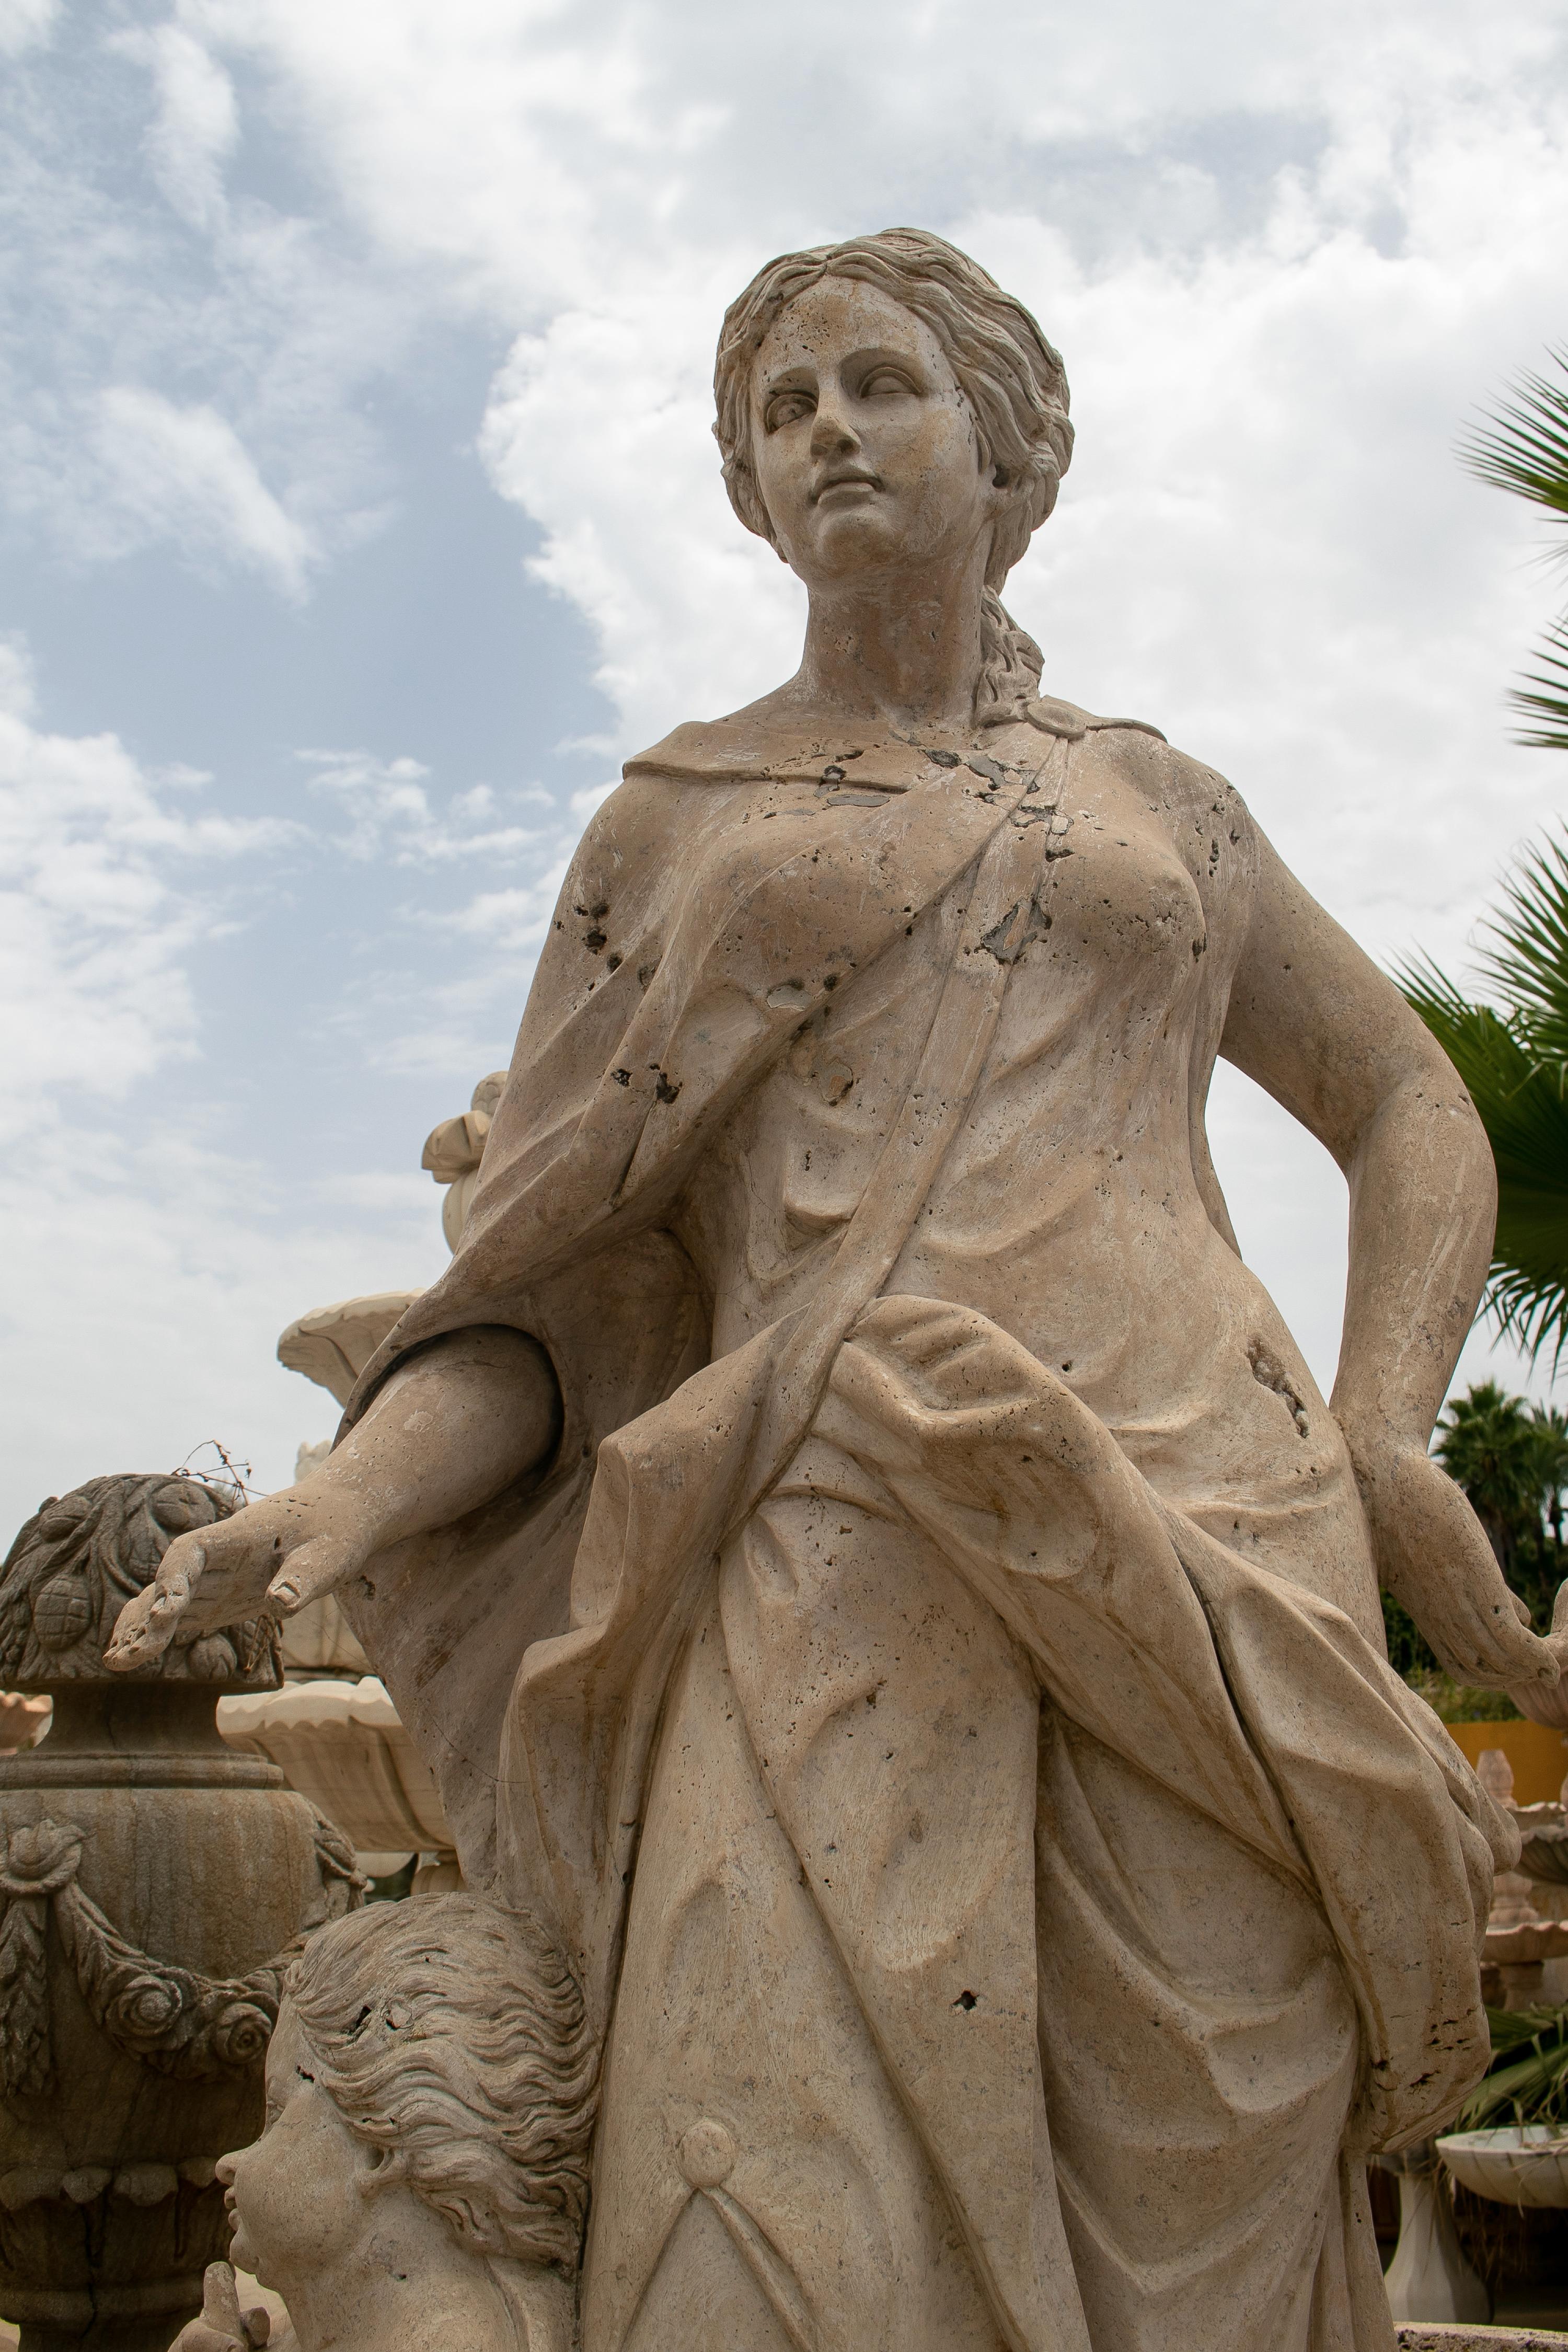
(148, 1871)
(154, 1886)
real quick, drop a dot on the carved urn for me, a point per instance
(152, 1884)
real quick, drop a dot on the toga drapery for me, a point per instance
(874, 1901)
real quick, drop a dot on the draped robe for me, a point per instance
(1032, 1966)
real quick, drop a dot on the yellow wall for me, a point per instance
(1539, 1756)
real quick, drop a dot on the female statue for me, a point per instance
(863, 1552)
(422, 2177)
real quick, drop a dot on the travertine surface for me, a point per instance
(153, 1884)
(1415, 2337)
(423, 2175)
(861, 1553)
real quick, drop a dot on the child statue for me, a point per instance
(422, 2179)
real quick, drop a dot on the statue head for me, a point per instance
(897, 362)
(430, 2099)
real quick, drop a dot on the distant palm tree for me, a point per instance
(1511, 1461)
(1524, 449)
(1513, 1058)
(1552, 1440)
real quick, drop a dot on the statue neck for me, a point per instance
(904, 648)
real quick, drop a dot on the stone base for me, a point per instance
(1424, 2335)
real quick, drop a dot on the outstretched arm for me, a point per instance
(453, 1426)
(1316, 1023)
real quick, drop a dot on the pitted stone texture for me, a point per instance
(1417, 2335)
(850, 1535)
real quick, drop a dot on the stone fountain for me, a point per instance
(153, 1887)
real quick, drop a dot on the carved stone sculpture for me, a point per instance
(454, 1150)
(860, 1551)
(152, 1885)
(423, 2178)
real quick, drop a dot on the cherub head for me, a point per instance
(430, 2098)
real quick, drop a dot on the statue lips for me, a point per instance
(848, 477)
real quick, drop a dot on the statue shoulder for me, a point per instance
(717, 751)
(1186, 785)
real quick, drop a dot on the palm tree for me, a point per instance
(1490, 1445)
(1552, 1442)
(1513, 1058)
(1524, 449)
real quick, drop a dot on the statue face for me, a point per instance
(865, 447)
(296, 2195)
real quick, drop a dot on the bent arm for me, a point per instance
(453, 1426)
(1319, 1027)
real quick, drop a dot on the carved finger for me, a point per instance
(171, 1593)
(258, 2325)
(313, 1570)
(135, 1641)
(220, 2302)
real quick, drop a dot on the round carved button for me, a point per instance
(706, 2154)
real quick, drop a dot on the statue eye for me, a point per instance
(883, 381)
(788, 408)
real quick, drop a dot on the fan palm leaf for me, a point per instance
(1524, 449)
(1515, 1065)
(1542, 700)
(1526, 964)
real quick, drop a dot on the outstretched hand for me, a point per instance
(451, 1429)
(1433, 1555)
(274, 1556)
(223, 2326)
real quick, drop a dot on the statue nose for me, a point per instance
(832, 431)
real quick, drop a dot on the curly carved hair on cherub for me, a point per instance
(451, 2035)
(1012, 377)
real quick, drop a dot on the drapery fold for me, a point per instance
(1255, 1702)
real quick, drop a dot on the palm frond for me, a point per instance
(1527, 965)
(1519, 1092)
(1546, 709)
(1533, 2085)
(1524, 449)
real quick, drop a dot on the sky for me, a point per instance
(359, 514)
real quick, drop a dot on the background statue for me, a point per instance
(861, 1551)
(423, 2176)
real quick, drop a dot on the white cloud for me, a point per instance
(148, 1274)
(196, 127)
(148, 1278)
(26, 25)
(104, 891)
(185, 474)
(391, 813)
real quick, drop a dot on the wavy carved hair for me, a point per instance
(452, 2035)
(1011, 376)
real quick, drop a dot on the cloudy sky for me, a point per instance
(359, 515)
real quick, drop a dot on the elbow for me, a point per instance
(1427, 1125)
